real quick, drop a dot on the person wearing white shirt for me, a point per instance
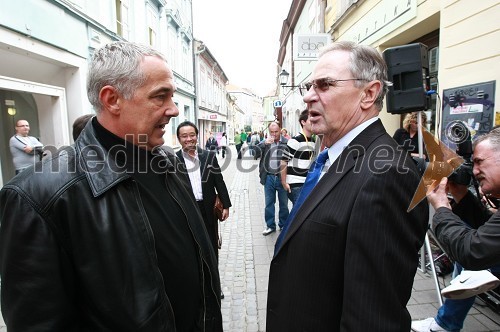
(206, 180)
(223, 144)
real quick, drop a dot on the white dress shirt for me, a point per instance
(194, 172)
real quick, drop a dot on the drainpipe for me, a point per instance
(322, 10)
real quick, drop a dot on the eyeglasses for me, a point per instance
(323, 84)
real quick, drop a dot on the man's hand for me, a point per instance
(28, 149)
(225, 214)
(286, 186)
(438, 197)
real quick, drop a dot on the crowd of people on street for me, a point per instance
(127, 239)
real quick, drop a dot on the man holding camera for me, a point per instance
(469, 232)
(24, 148)
(479, 248)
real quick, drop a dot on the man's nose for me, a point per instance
(171, 109)
(475, 170)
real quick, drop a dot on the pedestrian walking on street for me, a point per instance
(223, 144)
(271, 151)
(211, 144)
(111, 241)
(297, 158)
(347, 256)
(238, 143)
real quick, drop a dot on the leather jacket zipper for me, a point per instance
(151, 241)
(202, 260)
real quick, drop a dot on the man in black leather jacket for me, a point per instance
(103, 236)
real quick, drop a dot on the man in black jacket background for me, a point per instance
(205, 177)
(103, 236)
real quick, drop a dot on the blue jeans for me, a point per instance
(451, 315)
(271, 187)
(294, 194)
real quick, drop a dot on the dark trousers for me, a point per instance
(212, 227)
(238, 149)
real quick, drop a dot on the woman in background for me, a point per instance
(407, 137)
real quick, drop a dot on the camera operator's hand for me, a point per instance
(438, 197)
(458, 191)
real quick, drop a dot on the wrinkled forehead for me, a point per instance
(334, 64)
(274, 127)
(485, 150)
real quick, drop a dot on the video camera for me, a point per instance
(458, 133)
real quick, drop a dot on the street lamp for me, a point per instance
(11, 110)
(284, 77)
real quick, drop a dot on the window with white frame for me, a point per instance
(203, 85)
(186, 59)
(122, 19)
(153, 25)
(172, 47)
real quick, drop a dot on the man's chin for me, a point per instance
(156, 143)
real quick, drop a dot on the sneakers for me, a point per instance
(470, 283)
(268, 231)
(426, 325)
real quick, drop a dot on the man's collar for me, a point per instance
(185, 153)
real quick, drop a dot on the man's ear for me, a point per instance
(370, 94)
(110, 98)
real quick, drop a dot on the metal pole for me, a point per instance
(433, 269)
(421, 155)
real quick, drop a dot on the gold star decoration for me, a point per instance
(442, 162)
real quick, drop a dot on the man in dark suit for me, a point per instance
(348, 255)
(205, 176)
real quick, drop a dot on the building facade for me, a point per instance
(459, 35)
(44, 50)
(212, 107)
(252, 107)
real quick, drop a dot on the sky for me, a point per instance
(243, 36)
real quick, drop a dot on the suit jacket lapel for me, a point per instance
(342, 166)
(203, 157)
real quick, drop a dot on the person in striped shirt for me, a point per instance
(297, 158)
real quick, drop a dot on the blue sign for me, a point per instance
(278, 103)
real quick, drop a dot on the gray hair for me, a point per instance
(117, 64)
(366, 63)
(493, 137)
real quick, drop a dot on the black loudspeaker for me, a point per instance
(408, 70)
